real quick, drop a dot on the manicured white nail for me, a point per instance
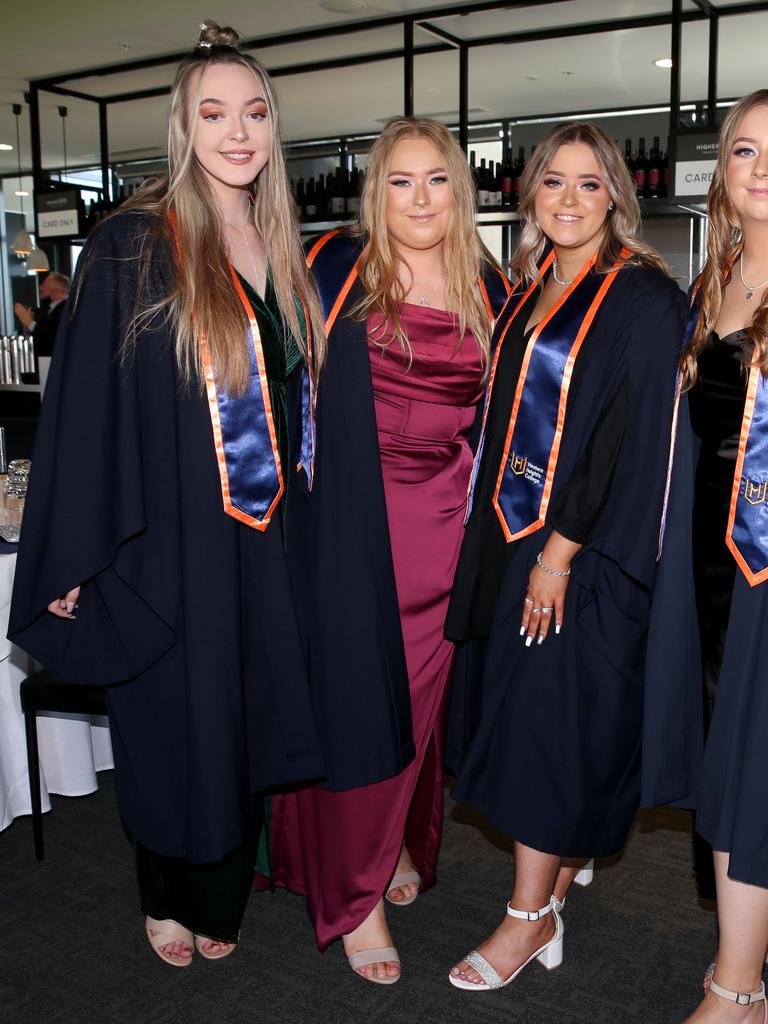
(558, 628)
(528, 641)
(522, 631)
(540, 640)
(70, 606)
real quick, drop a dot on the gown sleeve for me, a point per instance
(86, 518)
(576, 508)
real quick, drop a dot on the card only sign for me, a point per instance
(58, 213)
(695, 164)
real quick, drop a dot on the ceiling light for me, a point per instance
(38, 262)
(5, 146)
(20, 192)
(663, 62)
(344, 6)
(22, 243)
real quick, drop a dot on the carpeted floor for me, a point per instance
(72, 947)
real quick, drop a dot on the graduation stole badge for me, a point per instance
(746, 535)
(245, 438)
(336, 271)
(532, 444)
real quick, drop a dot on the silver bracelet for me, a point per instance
(546, 568)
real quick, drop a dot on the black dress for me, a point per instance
(717, 406)
(552, 755)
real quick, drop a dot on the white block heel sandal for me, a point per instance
(550, 955)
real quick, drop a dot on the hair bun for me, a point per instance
(213, 35)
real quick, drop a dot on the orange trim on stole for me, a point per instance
(319, 245)
(486, 297)
(753, 578)
(586, 323)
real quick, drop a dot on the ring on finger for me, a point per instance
(529, 600)
(547, 609)
(535, 610)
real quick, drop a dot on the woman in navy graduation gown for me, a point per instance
(167, 452)
(561, 545)
(409, 300)
(726, 362)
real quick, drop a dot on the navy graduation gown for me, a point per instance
(186, 614)
(567, 717)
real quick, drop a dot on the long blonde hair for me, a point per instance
(621, 223)
(724, 245)
(202, 301)
(463, 253)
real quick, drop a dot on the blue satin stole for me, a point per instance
(532, 445)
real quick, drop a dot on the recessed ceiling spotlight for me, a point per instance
(344, 6)
(5, 145)
(21, 192)
(663, 62)
(532, 78)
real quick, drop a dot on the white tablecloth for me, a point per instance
(72, 747)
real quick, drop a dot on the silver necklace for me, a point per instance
(557, 279)
(750, 289)
(241, 229)
(426, 300)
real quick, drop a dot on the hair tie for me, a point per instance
(205, 44)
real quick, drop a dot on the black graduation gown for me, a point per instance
(567, 717)
(339, 543)
(187, 614)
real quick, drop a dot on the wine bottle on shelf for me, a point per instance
(353, 196)
(338, 203)
(518, 174)
(496, 198)
(641, 166)
(473, 172)
(655, 170)
(483, 189)
(628, 154)
(507, 180)
(310, 203)
(665, 173)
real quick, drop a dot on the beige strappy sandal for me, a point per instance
(403, 878)
(200, 940)
(385, 954)
(742, 998)
(166, 932)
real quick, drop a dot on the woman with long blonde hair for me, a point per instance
(409, 298)
(726, 366)
(154, 553)
(560, 550)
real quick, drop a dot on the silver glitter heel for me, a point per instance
(550, 955)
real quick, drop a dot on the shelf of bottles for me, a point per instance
(327, 200)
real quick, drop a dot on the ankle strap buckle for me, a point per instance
(743, 998)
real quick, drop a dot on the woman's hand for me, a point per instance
(65, 605)
(545, 598)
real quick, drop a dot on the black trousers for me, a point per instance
(209, 899)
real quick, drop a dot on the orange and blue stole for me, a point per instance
(245, 438)
(746, 535)
(534, 434)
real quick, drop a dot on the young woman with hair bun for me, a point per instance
(179, 406)
(560, 551)
(726, 365)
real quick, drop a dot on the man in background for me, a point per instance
(43, 322)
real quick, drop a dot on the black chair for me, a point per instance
(42, 692)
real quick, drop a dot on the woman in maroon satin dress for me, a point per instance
(420, 293)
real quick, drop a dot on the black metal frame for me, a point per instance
(706, 9)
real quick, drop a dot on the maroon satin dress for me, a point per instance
(341, 849)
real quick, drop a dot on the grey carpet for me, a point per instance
(72, 946)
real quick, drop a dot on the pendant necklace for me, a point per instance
(564, 284)
(750, 289)
(426, 299)
(241, 229)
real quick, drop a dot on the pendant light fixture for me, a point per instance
(22, 243)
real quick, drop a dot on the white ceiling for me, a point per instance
(556, 76)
